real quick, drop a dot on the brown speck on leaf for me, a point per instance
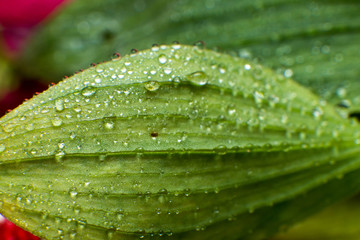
(154, 134)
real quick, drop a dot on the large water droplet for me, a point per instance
(162, 58)
(198, 78)
(8, 128)
(152, 86)
(56, 121)
(89, 91)
(59, 105)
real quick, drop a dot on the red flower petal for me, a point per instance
(18, 18)
(9, 231)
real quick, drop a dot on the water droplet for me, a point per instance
(162, 58)
(109, 125)
(120, 216)
(72, 135)
(198, 78)
(59, 156)
(33, 151)
(167, 71)
(200, 44)
(2, 148)
(341, 92)
(59, 105)
(29, 127)
(221, 149)
(56, 121)
(288, 73)
(284, 119)
(317, 112)
(102, 157)
(152, 86)
(77, 209)
(155, 48)
(258, 96)
(73, 193)
(222, 69)
(61, 145)
(99, 68)
(89, 91)
(231, 111)
(8, 128)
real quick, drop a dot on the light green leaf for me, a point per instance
(316, 42)
(174, 141)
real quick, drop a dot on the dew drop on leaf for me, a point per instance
(89, 91)
(73, 193)
(2, 148)
(198, 78)
(56, 121)
(162, 58)
(59, 105)
(59, 156)
(152, 86)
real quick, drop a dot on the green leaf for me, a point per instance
(6, 80)
(323, 225)
(316, 42)
(174, 141)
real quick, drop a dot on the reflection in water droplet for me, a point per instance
(152, 86)
(198, 78)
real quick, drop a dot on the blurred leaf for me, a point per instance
(5, 77)
(316, 42)
(177, 142)
(339, 221)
